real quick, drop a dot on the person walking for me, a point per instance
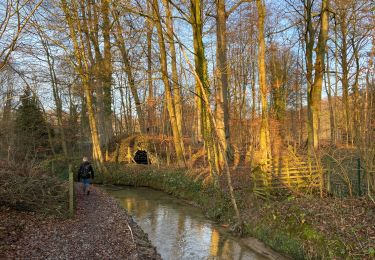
(86, 174)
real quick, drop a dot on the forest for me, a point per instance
(259, 112)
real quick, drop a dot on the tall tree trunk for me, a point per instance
(175, 82)
(56, 97)
(106, 71)
(264, 138)
(310, 32)
(336, 79)
(123, 106)
(356, 102)
(314, 94)
(345, 72)
(82, 69)
(129, 72)
(332, 124)
(222, 110)
(253, 90)
(92, 122)
(90, 28)
(202, 72)
(129, 109)
(178, 142)
(151, 115)
(215, 133)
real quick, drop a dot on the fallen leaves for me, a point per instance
(99, 230)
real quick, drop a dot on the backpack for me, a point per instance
(86, 171)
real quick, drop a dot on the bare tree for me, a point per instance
(15, 15)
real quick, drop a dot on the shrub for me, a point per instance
(30, 189)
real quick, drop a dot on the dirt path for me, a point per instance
(99, 230)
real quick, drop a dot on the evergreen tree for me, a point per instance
(31, 127)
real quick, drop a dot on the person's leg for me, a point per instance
(84, 185)
(88, 186)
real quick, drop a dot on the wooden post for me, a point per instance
(71, 191)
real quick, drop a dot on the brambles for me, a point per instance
(29, 189)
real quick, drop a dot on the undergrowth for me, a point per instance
(32, 189)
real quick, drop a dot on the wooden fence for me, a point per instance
(289, 173)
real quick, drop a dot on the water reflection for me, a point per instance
(177, 230)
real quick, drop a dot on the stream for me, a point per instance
(178, 230)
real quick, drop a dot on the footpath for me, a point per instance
(100, 229)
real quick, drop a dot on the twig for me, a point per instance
(131, 233)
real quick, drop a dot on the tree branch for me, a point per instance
(236, 6)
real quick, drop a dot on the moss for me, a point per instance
(278, 239)
(292, 235)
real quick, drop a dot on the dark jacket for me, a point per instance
(85, 171)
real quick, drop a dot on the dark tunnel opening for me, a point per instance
(141, 157)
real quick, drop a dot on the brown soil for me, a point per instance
(100, 229)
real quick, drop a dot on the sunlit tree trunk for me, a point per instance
(175, 82)
(82, 69)
(264, 138)
(178, 143)
(222, 110)
(90, 27)
(201, 69)
(315, 92)
(220, 146)
(309, 48)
